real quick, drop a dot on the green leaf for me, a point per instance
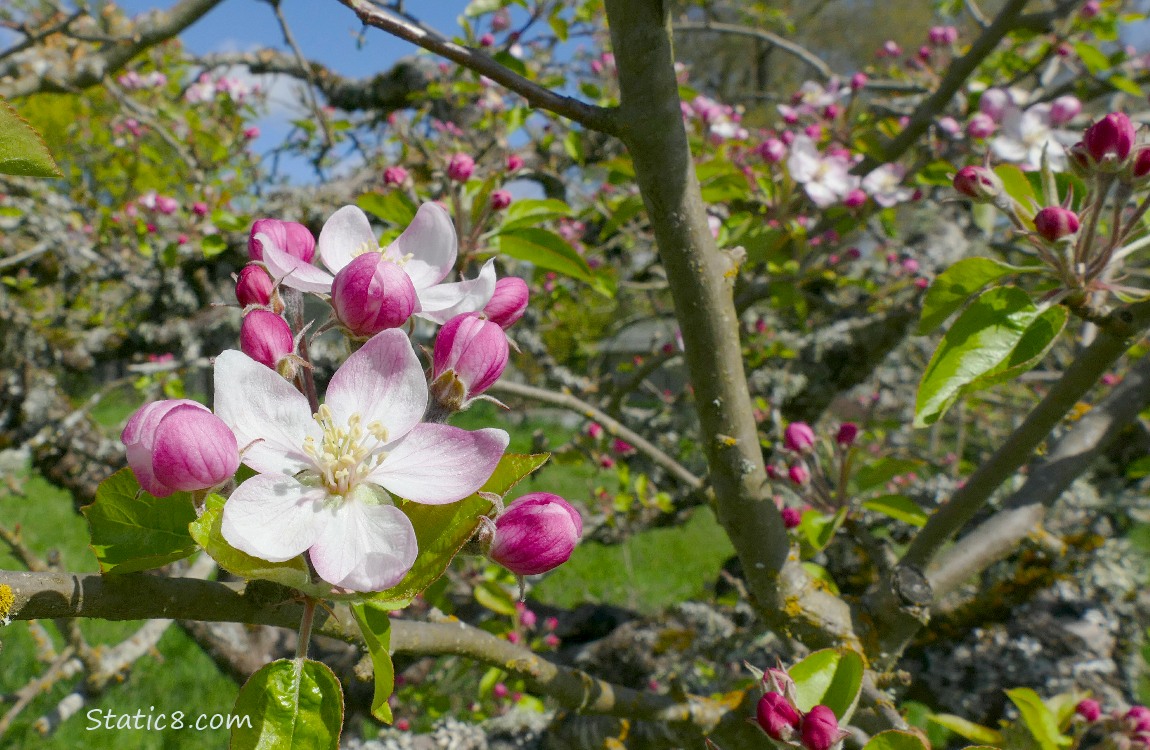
(133, 531)
(393, 206)
(1039, 719)
(1030, 350)
(895, 740)
(22, 150)
(817, 528)
(1093, 58)
(508, 60)
(213, 245)
(831, 678)
(980, 343)
(206, 530)
(531, 212)
(1016, 184)
(546, 250)
(573, 145)
(292, 703)
(968, 729)
(479, 7)
(442, 530)
(956, 285)
(1122, 83)
(375, 626)
(898, 507)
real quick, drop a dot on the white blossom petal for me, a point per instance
(292, 271)
(273, 517)
(345, 234)
(364, 547)
(437, 463)
(443, 302)
(431, 242)
(383, 382)
(268, 416)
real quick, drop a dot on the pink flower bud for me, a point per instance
(251, 133)
(799, 474)
(890, 48)
(535, 534)
(1055, 222)
(508, 303)
(254, 286)
(942, 36)
(474, 348)
(199, 208)
(166, 204)
(978, 183)
(778, 718)
(461, 167)
(856, 198)
(1140, 164)
(1090, 9)
(500, 20)
(792, 517)
(265, 337)
(1064, 109)
(499, 691)
(1113, 135)
(981, 126)
(594, 430)
(486, 40)
(994, 103)
(1089, 709)
(394, 176)
(847, 434)
(514, 162)
(772, 150)
(798, 437)
(372, 294)
(858, 81)
(500, 199)
(294, 239)
(820, 729)
(1139, 718)
(179, 446)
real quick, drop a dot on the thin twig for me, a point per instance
(793, 48)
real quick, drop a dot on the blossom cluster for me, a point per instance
(330, 481)
(815, 480)
(1120, 729)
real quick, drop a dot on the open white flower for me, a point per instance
(884, 184)
(426, 250)
(826, 179)
(1026, 135)
(325, 481)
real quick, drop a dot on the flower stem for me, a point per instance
(305, 628)
(293, 307)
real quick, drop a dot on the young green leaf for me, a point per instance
(293, 704)
(895, 740)
(956, 285)
(133, 531)
(830, 678)
(968, 729)
(981, 343)
(545, 249)
(898, 507)
(22, 150)
(1038, 718)
(206, 531)
(375, 626)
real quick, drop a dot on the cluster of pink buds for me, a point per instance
(778, 715)
(1127, 730)
(805, 473)
(535, 534)
(1083, 249)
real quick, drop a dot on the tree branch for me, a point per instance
(959, 70)
(139, 596)
(800, 52)
(588, 115)
(147, 31)
(611, 425)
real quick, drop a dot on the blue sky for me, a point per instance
(325, 30)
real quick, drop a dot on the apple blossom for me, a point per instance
(371, 294)
(1054, 222)
(461, 167)
(826, 179)
(426, 250)
(514, 162)
(981, 126)
(1088, 709)
(1027, 136)
(798, 437)
(394, 176)
(288, 236)
(325, 482)
(1064, 109)
(1113, 135)
(265, 337)
(470, 355)
(500, 199)
(179, 446)
(254, 286)
(978, 183)
(535, 534)
(885, 185)
(508, 302)
(848, 432)
(777, 717)
(820, 729)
